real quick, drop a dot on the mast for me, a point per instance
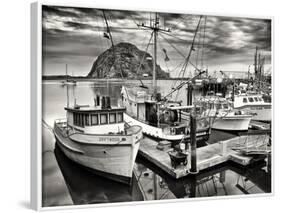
(154, 26)
(66, 73)
(248, 77)
(67, 91)
(108, 29)
(154, 83)
(67, 98)
(191, 48)
(256, 63)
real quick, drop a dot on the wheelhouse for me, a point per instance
(92, 119)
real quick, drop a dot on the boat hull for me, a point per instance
(231, 123)
(260, 113)
(111, 160)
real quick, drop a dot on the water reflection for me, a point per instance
(227, 179)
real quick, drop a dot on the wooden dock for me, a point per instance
(259, 125)
(207, 156)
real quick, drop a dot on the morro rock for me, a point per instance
(124, 61)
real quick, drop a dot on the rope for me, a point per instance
(178, 51)
(144, 54)
(47, 125)
(203, 45)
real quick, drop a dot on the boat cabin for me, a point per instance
(98, 119)
(242, 100)
(142, 106)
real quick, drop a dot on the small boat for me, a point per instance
(255, 104)
(96, 137)
(68, 81)
(222, 115)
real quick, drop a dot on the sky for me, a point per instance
(74, 36)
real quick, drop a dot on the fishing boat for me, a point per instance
(160, 120)
(161, 116)
(222, 115)
(255, 104)
(96, 137)
(255, 100)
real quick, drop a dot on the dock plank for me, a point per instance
(207, 156)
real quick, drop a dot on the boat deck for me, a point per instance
(207, 156)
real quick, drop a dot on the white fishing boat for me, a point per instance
(160, 116)
(96, 138)
(161, 121)
(255, 104)
(251, 98)
(222, 115)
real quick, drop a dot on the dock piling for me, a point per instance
(193, 169)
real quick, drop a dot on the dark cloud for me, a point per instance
(77, 25)
(57, 11)
(72, 32)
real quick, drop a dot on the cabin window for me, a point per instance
(80, 120)
(256, 99)
(120, 117)
(94, 120)
(245, 100)
(87, 120)
(112, 118)
(251, 99)
(103, 119)
(74, 119)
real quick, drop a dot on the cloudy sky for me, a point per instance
(74, 36)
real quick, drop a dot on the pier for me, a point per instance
(208, 156)
(54, 189)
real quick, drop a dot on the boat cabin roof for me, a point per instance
(249, 98)
(180, 107)
(94, 109)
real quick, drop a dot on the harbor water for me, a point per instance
(66, 183)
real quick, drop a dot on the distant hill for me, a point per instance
(125, 59)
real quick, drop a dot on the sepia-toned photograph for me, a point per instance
(146, 106)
